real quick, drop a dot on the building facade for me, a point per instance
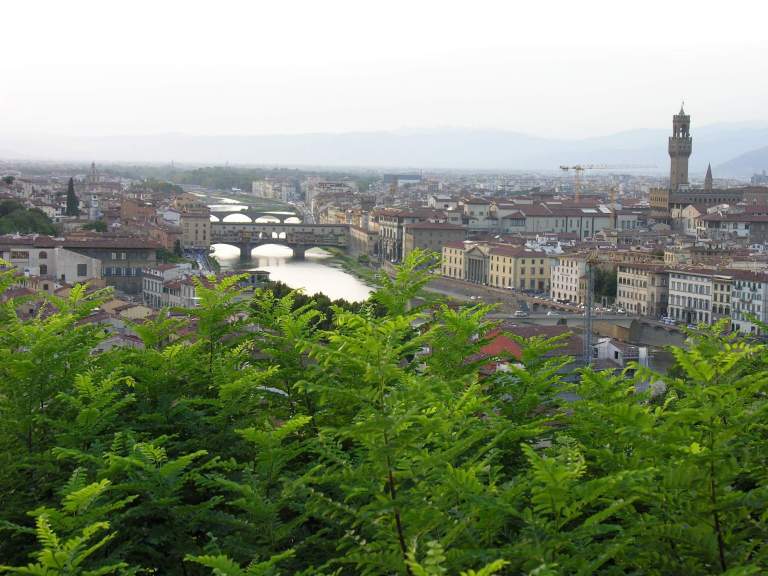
(46, 258)
(568, 278)
(519, 268)
(154, 280)
(194, 221)
(691, 295)
(430, 236)
(642, 289)
(749, 301)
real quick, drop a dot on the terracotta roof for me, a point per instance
(111, 242)
(649, 266)
(735, 217)
(84, 241)
(433, 226)
(17, 292)
(747, 275)
(515, 251)
(34, 240)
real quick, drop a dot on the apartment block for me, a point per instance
(518, 267)
(568, 278)
(691, 294)
(642, 289)
(749, 301)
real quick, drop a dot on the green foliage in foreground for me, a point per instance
(280, 441)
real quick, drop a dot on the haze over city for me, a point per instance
(96, 80)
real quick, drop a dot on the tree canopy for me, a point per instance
(14, 217)
(73, 203)
(281, 437)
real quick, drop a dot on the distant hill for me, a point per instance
(444, 148)
(745, 165)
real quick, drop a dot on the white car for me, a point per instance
(520, 314)
(553, 313)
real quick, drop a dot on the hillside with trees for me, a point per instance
(281, 438)
(14, 217)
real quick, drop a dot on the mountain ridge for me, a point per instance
(459, 148)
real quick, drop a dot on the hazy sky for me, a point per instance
(571, 68)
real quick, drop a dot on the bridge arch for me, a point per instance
(237, 218)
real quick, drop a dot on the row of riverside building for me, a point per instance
(645, 285)
(694, 295)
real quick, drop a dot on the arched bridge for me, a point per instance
(253, 214)
(299, 237)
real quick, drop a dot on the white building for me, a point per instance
(606, 350)
(691, 295)
(154, 280)
(274, 189)
(749, 298)
(43, 256)
(442, 202)
(568, 278)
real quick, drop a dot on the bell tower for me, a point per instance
(679, 150)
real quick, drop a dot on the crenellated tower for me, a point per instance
(679, 150)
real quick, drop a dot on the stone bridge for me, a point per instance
(298, 237)
(253, 214)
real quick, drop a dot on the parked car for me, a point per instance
(520, 314)
(553, 313)
(620, 311)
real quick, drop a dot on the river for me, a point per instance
(318, 272)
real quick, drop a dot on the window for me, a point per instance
(114, 255)
(19, 255)
(43, 269)
(82, 270)
(43, 255)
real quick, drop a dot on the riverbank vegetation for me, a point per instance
(281, 436)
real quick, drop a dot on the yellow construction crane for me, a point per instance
(578, 169)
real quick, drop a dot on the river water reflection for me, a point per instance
(317, 273)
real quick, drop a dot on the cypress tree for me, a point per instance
(73, 204)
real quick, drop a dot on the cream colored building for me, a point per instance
(467, 261)
(452, 263)
(567, 278)
(497, 265)
(642, 289)
(721, 296)
(194, 221)
(519, 268)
